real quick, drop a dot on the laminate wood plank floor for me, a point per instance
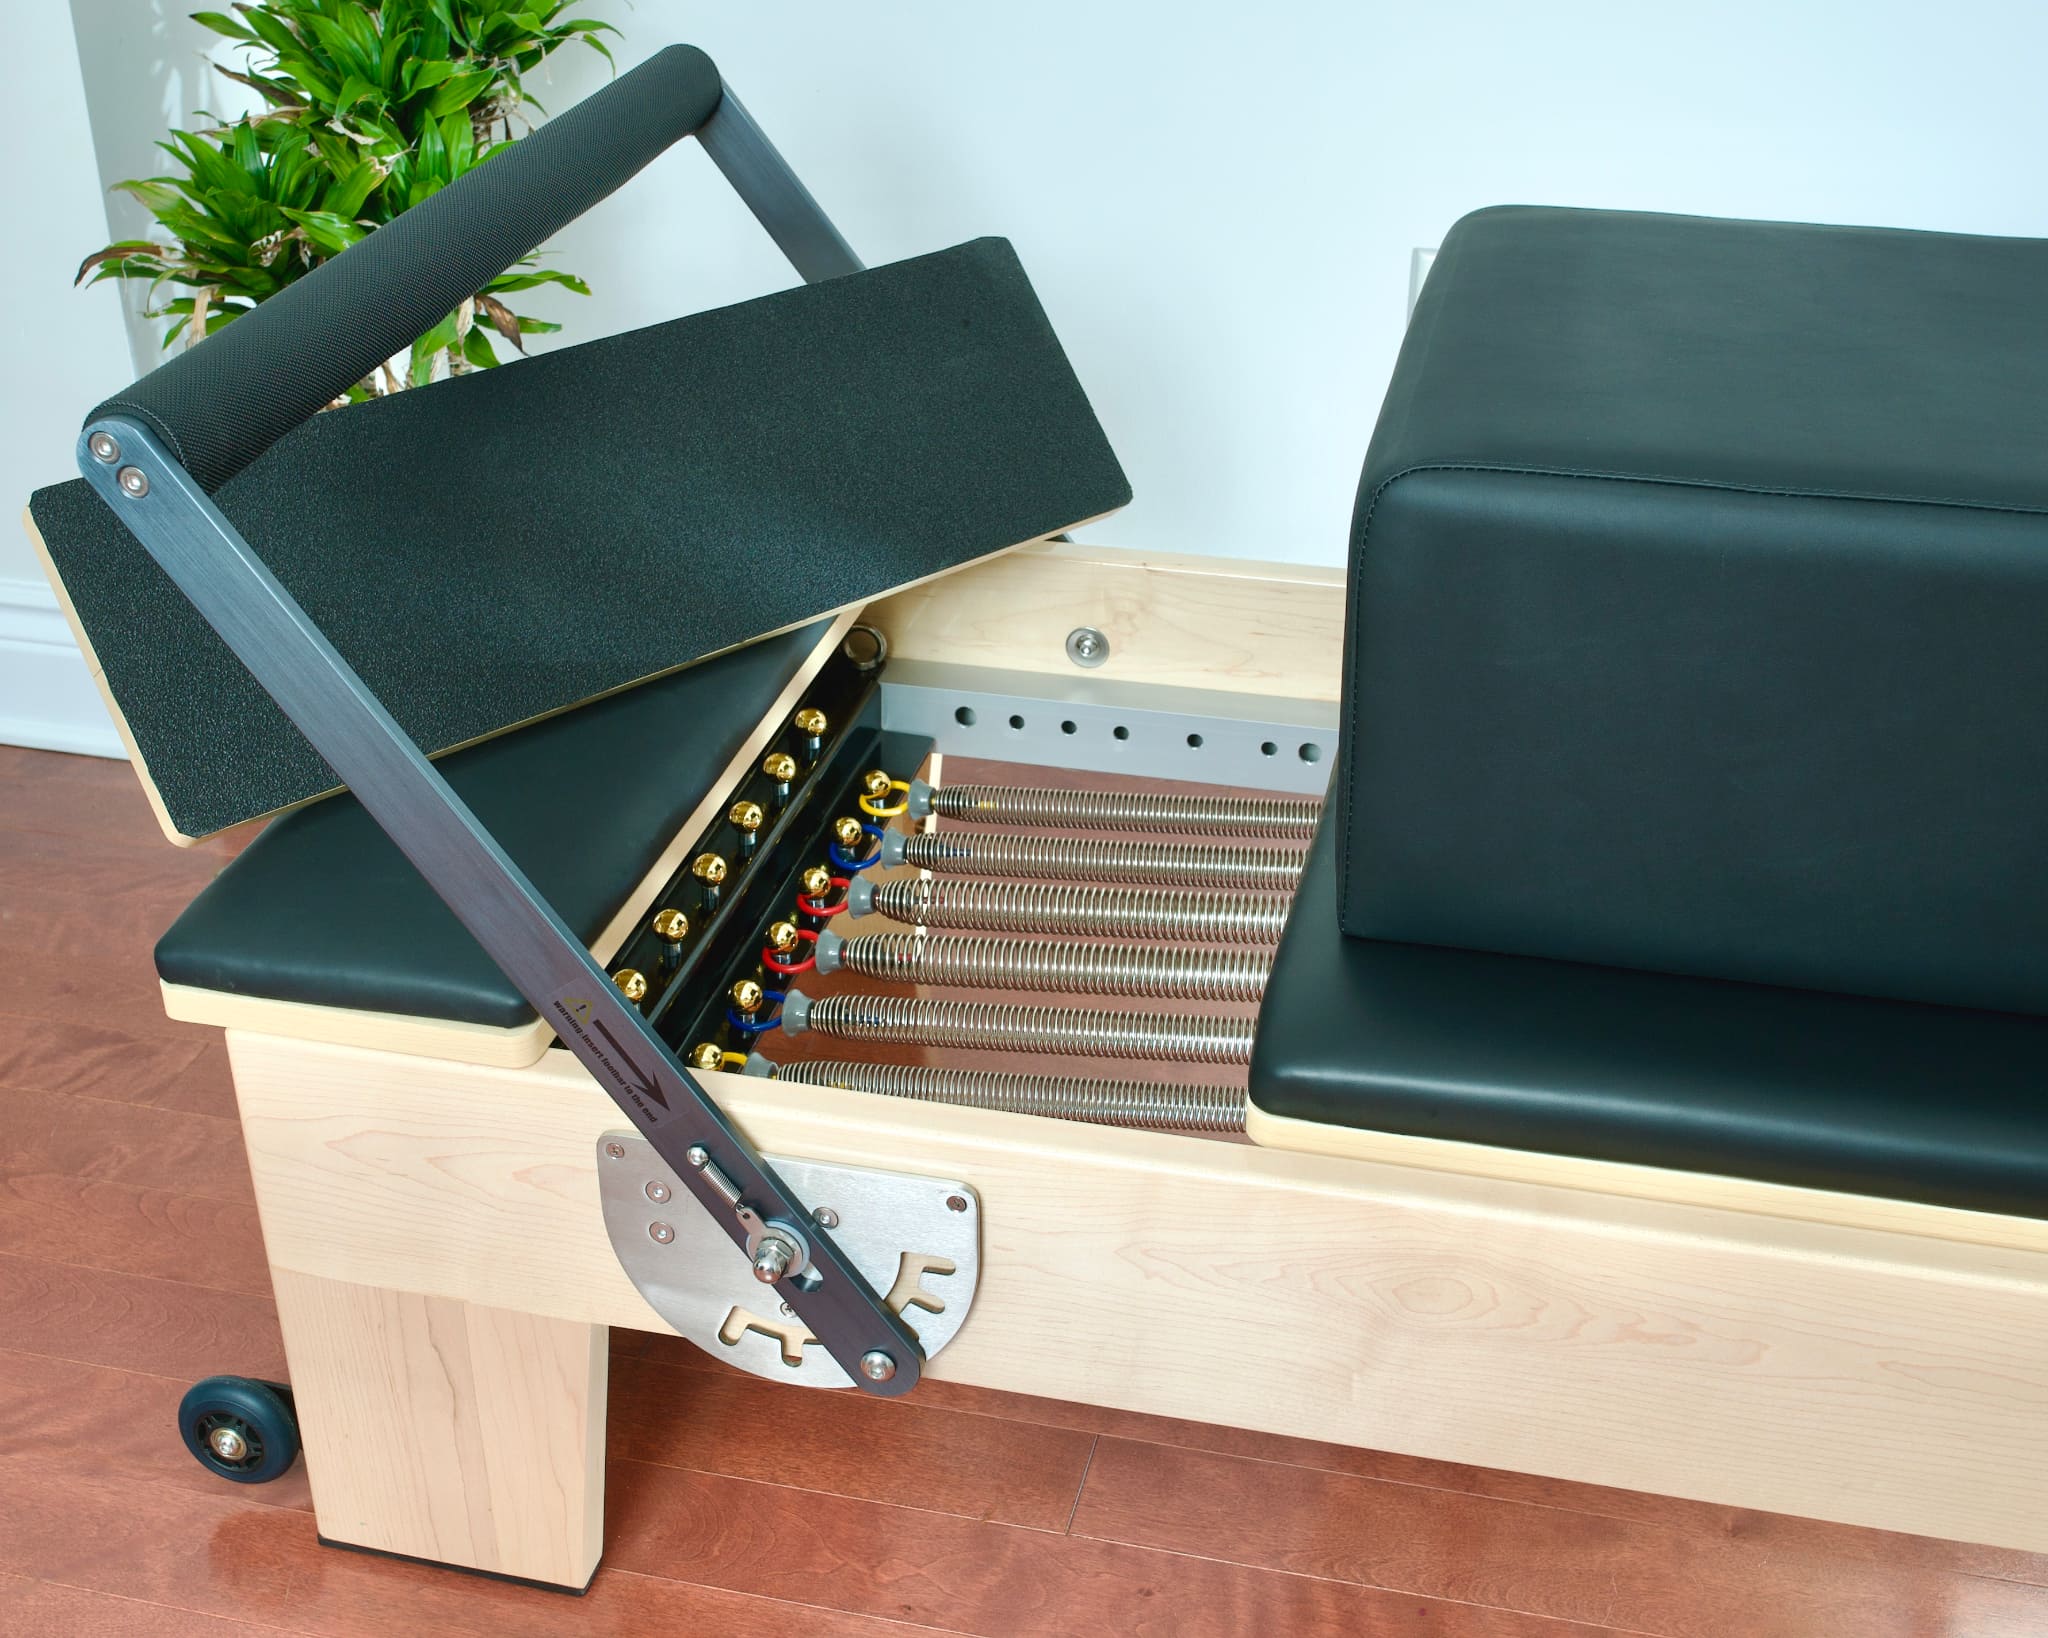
(131, 1263)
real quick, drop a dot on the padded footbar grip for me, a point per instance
(222, 403)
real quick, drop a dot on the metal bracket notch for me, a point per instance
(916, 1239)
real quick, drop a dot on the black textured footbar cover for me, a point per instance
(503, 545)
(219, 405)
(1787, 1086)
(1699, 607)
(323, 908)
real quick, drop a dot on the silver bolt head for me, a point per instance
(660, 1233)
(133, 481)
(104, 448)
(1086, 646)
(771, 1258)
(657, 1191)
(698, 1156)
(825, 1217)
(227, 1444)
(616, 1150)
(877, 1366)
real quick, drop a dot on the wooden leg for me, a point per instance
(449, 1431)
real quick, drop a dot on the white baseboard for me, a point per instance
(47, 697)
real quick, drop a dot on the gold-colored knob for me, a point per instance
(876, 783)
(708, 867)
(632, 985)
(811, 720)
(747, 816)
(704, 1055)
(672, 925)
(816, 880)
(747, 995)
(779, 766)
(782, 937)
(848, 831)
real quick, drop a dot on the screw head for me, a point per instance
(227, 1444)
(877, 1366)
(658, 1191)
(660, 1233)
(615, 1150)
(956, 1202)
(1086, 646)
(104, 448)
(825, 1217)
(133, 481)
(697, 1156)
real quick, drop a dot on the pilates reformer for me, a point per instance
(660, 1048)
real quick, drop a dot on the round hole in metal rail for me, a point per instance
(964, 716)
(1016, 722)
(1069, 728)
(1121, 731)
(1194, 742)
(1269, 749)
(1310, 752)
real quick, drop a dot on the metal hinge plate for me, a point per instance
(916, 1240)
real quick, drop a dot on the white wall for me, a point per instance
(1218, 203)
(63, 354)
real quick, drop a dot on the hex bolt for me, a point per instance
(658, 1192)
(771, 1258)
(660, 1233)
(877, 1366)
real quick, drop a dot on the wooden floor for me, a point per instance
(130, 1263)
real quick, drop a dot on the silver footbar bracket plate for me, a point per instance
(916, 1240)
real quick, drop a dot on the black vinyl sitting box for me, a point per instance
(1699, 607)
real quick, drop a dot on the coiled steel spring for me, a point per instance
(1186, 972)
(1157, 811)
(1060, 858)
(1157, 1106)
(1069, 1031)
(1102, 912)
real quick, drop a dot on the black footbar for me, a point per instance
(155, 454)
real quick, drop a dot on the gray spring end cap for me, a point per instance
(758, 1065)
(796, 1013)
(920, 799)
(828, 948)
(892, 847)
(860, 897)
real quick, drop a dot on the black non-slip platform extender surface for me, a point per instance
(501, 546)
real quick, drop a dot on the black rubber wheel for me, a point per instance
(242, 1429)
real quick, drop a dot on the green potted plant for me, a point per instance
(369, 107)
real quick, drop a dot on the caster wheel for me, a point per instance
(242, 1429)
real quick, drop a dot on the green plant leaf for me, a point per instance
(222, 24)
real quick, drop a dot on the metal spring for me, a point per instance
(1060, 858)
(1188, 972)
(1129, 810)
(1051, 907)
(1160, 1107)
(1070, 1031)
